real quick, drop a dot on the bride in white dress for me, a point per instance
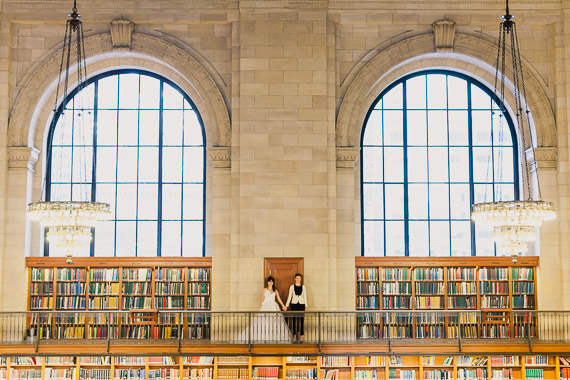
(268, 327)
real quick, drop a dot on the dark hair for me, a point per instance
(298, 275)
(270, 278)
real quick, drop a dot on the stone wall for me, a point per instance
(283, 88)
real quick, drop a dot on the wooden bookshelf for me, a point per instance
(383, 367)
(107, 284)
(493, 285)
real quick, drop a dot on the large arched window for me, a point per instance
(432, 145)
(140, 147)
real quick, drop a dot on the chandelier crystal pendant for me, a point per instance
(69, 223)
(513, 223)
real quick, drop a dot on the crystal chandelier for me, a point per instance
(69, 223)
(514, 223)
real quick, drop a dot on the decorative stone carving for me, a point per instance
(444, 32)
(220, 156)
(346, 157)
(543, 158)
(22, 157)
(121, 34)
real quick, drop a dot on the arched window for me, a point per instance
(432, 145)
(139, 142)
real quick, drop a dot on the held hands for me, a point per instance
(284, 307)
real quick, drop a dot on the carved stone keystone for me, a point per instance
(444, 32)
(121, 34)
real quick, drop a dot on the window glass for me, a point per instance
(434, 144)
(145, 141)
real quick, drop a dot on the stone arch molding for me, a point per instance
(37, 96)
(470, 55)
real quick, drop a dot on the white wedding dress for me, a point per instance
(267, 327)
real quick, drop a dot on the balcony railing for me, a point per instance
(213, 327)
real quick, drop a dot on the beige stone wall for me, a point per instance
(283, 88)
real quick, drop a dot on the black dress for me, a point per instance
(298, 320)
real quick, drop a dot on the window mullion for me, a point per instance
(94, 163)
(471, 177)
(405, 158)
(160, 147)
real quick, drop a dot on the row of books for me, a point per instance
(41, 302)
(233, 373)
(429, 302)
(523, 287)
(396, 274)
(367, 288)
(502, 374)
(495, 331)
(298, 359)
(471, 374)
(404, 374)
(130, 373)
(494, 274)
(137, 274)
(137, 288)
(367, 274)
(565, 373)
(95, 374)
(366, 374)
(465, 360)
(198, 373)
(169, 288)
(460, 274)
(438, 374)
(523, 274)
(104, 288)
(103, 303)
(396, 302)
(169, 302)
(163, 373)
(70, 288)
(59, 374)
(130, 360)
(430, 360)
(429, 274)
(41, 274)
(504, 360)
(534, 374)
(41, 288)
(536, 360)
(494, 288)
(367, 302)
(199, 274)
(265, 373)
(334, 361)
(301, 373)
(104, 274)
(202, 288)
(494, 302)
(523, 302)
(462, 302)
(25, 374)
(462, 288)
(397, 288)
(71, 274)
(169, 274)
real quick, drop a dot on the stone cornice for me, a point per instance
(220, 157)
(22, 157)
(543, 158)
(346, 157)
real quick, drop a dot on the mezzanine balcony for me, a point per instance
(153, 331)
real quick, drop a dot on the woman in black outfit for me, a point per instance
(298, 300)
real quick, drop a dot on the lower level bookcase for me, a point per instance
(338, 367)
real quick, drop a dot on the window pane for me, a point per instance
(479, 98)
(437, 127)
(193, 238)
(438, 161)
(459, 164)
(373, 238)
(416, 92)
(172, 165)
(393, 98)
(418, 201)
(393, 131)
(458, 128)
(64, 130)
(482, 165)
(457, 88)
(461, 238)
(81, 192)
(193, 202)
(146, 239)
(126, 238)
(148, 202)
(107, 128)
(171, 202)
(172, 98)
(108, 92)
(148, 134)
(148, 164)
(481, 128)
(484, 245)
(503, 160)
(61, 164)
(82, 164)
(126, 202)
(105, 239)
(106, 164)
(127, 168)
(439, 239)
(150, 92)
(373, 201)
(393, 164)
(395, 239)
(437, 91)
(171, 238)
(106, 193)
(371, 164)
(372, 132)
(194, 164)
(129, 91)
(394, 201)
(417, 128)
(460, 201)
(419, 238)
(128, 127)
(172, 134)
(417, 165)
(438, 201)
(60, 192)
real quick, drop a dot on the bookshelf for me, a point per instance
(120, 284)
(337, 367)
(493, 285)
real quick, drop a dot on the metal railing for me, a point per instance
(218, 327)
